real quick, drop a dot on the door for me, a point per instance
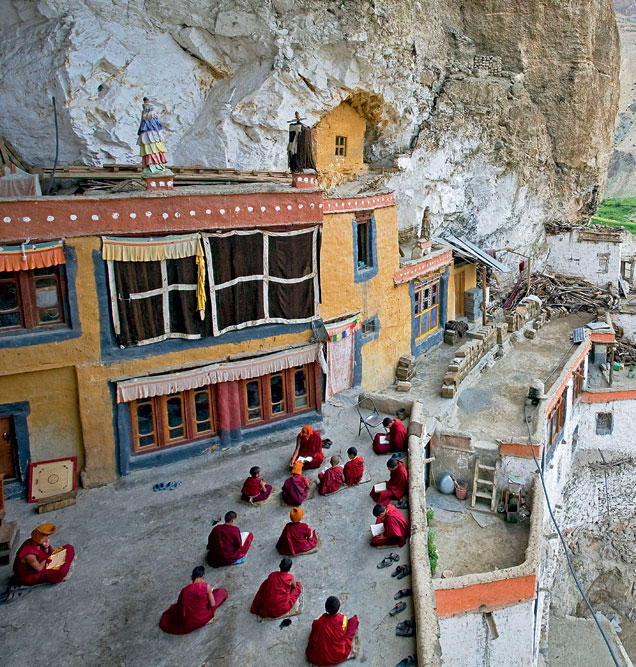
(340, 365)
(7, 448)
(460, 288)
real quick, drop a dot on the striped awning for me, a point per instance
(135, 249)
(31, 256)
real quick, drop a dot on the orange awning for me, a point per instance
(31, 256)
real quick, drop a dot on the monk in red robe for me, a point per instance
(396, 486)
(308, 445)
(396, 527)
(397, 438)
(195, 607)
(226, 545)
(331, 637)
(32, 563)
(278, 593)
(297, 537)
(254, 488)
(296, 487)
(332, 479)
(353, 468)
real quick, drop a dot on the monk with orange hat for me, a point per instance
(309, 448)
(36, 562)
(296, 487)
(297, 537)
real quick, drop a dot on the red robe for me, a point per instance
(312, 446)
(295, 489)
(224, 545)
(27, 576)
(296, 538)
(276, 596)
(192, 610)
(398, 440)
(330, 481)
(396, 487)
(396, 529)
(353, 471)
(331, 639)
(252, 490)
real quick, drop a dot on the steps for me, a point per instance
(485, 483)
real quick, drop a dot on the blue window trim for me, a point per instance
(438, 335)
(361, 275)
(111, 351)
(19, 412)
(23, 338)
(360, 340)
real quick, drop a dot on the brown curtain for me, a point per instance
(236, 255)
(291, 257)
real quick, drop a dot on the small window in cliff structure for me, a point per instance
(341, 146)
(363, 244)
(603, 262)
(604, 423)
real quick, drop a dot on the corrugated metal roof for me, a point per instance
(470, 251)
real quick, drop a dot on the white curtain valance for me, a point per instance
(244, 369)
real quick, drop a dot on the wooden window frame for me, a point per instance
(340, 146)
(27, 308)
(426, 306)
(556, 420)
(577, 383)
(159, 406)
(267, 416)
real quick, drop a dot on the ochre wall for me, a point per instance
(470, 281)
(343, 121)
(378, 295)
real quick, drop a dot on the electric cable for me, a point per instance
(564, 545)
(57, 147)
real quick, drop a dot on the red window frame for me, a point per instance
(556, 420)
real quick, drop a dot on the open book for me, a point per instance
(380, 486)
(384, 439)
(377, 529)
(57, 560)
(244, 536)
(305, 459)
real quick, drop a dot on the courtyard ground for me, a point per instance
(136, 549)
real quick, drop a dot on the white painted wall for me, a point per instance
(568, 255)
(623, 437)
(628, 322)
(466, 640)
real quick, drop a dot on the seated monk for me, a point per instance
(396, 486)
(332, 479)
(308, 444)
(32, 563)
(297, 537)
(397, 438)
(254, 488)
(353, 468)
(396, 527)
(296, 487)
(195, 607)
(278, 593)
(225, 543)
(331, 637)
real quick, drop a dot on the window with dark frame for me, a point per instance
(277, 395)
(368, 327)
(341, 146)
(556, 420)
(32, 299)
(363, 244)
(174, 419)
(604, 423)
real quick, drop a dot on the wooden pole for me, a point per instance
(483, 294)
(611, 365)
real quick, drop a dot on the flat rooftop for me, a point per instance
(136, 549)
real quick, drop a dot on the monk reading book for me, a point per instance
(297, 537)
(353, 468)
(331, 638)
(396, 487)
(195, 607)
(332, 479)
(392, 527)
(36, 562)
(254, 488)
(296, 487)
(278, 593)
(395, 441)
(309, 448)
(226, 544)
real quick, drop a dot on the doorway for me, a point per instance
(460, 288)
(8, 465)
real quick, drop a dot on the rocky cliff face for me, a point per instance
(490, 118)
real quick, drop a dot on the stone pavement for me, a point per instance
(136, 549)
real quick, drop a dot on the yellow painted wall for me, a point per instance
(470, 281)
(379, 295)
(345, 121)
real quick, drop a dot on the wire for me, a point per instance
(565, 546)
(57, 148)
(556, 368)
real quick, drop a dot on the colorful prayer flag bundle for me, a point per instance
(151, 147)
(354, 325)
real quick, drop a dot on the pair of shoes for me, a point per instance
(400, 606)
(408, 661)
(405, 629)
(403, 593)
(401, 571)
(387, 561)
(166, 486)
(403, 503)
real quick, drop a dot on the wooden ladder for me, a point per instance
(484, 487)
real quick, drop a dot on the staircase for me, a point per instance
(485, 483)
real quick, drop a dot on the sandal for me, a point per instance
(408, 661)
(398, 570)
(405, 629)
(395, 557)
(403, 593)
(405, 572)
(385, 562)
(400, 606)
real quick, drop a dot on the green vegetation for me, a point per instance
(433, 554)
(617, 212)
